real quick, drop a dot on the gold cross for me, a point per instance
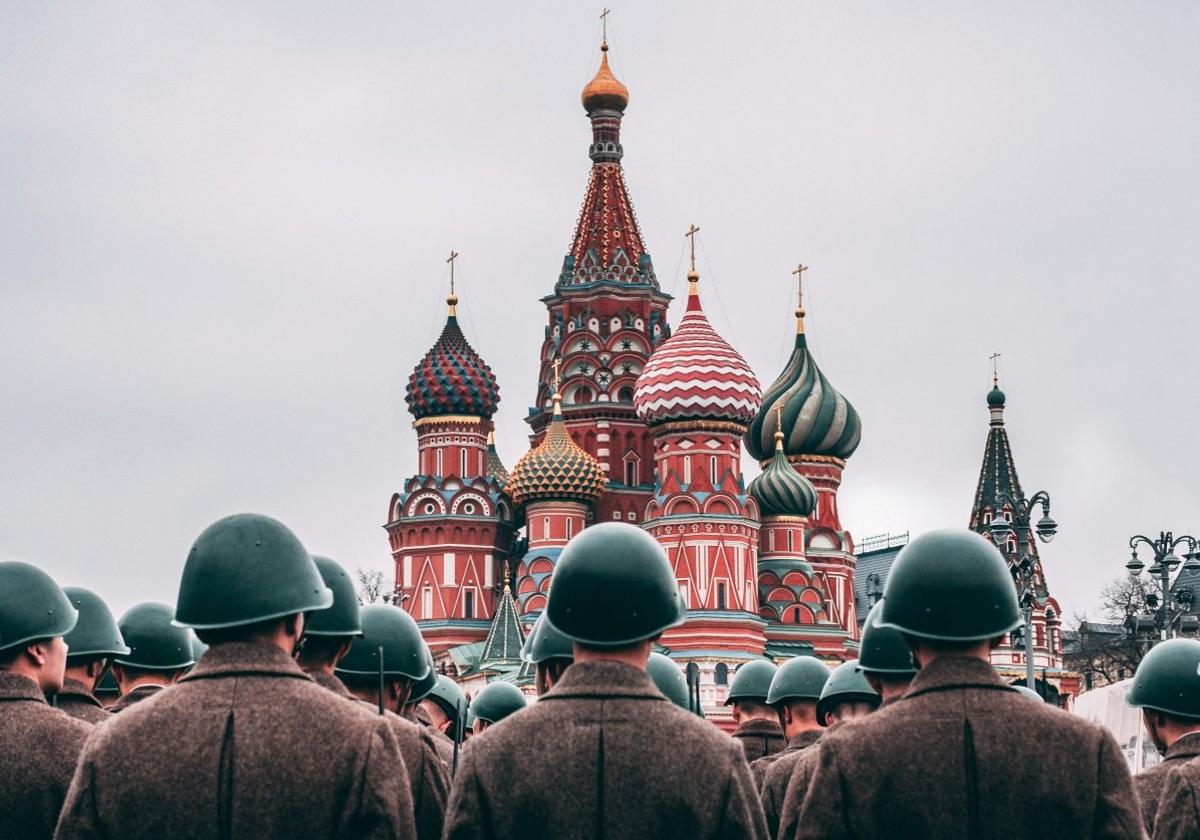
(799, 272)
(995, 370)
(557, 365)
(604, 25)
(453, 256)
(691, 235)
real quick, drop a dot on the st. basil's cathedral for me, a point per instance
(634, 421)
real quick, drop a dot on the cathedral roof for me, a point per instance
(696, 374)
(780, 490)
(557, 468)
(452, 378)
(817, 420)
(505, 637)
(495, 467)
(998, 475)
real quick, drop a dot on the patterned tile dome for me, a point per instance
(779, 489)
(557, 468)
(452, 378)
(696, 374)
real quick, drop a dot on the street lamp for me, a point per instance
(1165, 562)
(1023, 565)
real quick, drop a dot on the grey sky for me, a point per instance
(223, 226)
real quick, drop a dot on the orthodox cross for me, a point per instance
(995, 370)
(557, 365)
(691, 235)
(799, 272)
(604, 25)
(779, 420)
(453, 256)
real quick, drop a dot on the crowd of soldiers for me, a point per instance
(268, 704)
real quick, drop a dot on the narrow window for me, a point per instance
(439, 461)
(408, 571)
(712, 466)
(469, 604)
(570, 527)
(427, 602)
(720, 596)
(721, 674)
(448, 568)
(631, 476)
(791, 540)
(545, 527)
(462, 463)
(687, 469)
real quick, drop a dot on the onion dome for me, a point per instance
(604, 91)
(495, 467)
(995, 397)
(779, 489)
(557, 468)
(817, 420)
(452, 378)
(695, 374)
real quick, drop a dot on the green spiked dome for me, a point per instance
(668, 679)
(155, 642)
(845, 685)
(613, 586)
(32, 606)
(752, 681)
(800, 678)
(496, 701)
(544, 642)
(391, 629)
(244, 569)
(341, 619)
(1167, 679)
(883, 650)
(951, 585)
(779, 489)
(96, 633)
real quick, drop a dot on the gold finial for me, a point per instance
(452, 299)
(995, 370)
(799, 272)
(506, 573)
(604, 28)
(693, 275)
(779, 427)
(491, 439)
(557, 381)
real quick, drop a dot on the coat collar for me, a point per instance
(16, 687)
(949, 672)
(74, 688)
(1186, 747)
(135, 695)
(330, 682)
(244, 658)
(758, 726)
(604, 679)
(807, 738)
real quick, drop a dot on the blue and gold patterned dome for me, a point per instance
(557, 468)
(452, 378)
(780, 490)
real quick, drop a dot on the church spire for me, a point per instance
(998, 475)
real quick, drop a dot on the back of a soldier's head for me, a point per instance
(752, 709)
(32, 625)
(848, 710)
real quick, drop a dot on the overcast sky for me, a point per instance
(223, 230)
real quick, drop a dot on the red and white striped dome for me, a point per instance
(696, 375)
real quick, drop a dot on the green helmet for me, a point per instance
(342, 618)
(198, 648)
(544, 642)
(96, 633)
(448, 696)
(392, 629)
(752, 681)
(950, 585)
(32, 607)
(800, 678)
(156, 642)
(1026, 691)
(426, 684)
(613, 586)
(497, 700)
(883, 650)
(1167, 680)
(668, 679)
(845, 685)
(244, 569)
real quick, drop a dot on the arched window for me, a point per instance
(687, 469)
(713, 470)
(721, 674)
(625, 395)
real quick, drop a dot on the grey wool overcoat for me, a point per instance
(38, 749)
(79, 703)
(760, 738)
(243, 746)
(1150, 783)
(962, 755)
(776, 771)
(1178, 813)
(603, 755)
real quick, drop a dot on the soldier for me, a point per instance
(94, 641)
(329, 633)
(446, 708)
(1178, 814)
(549, 651)
(245, 745)
(962, 755)
(160, 653)
(1167, 690)
(494, 703)
(38, 744)
(634, 765)
(413, 710)
(884, 658)
(389, 654)
(757, 723)
(794, 694)
(668, 679)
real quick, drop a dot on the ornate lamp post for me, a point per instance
(1022, 564)
(1165, 562)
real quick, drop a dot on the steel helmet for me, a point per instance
(32, 606)
(845, 685)
(1026, 691)
(668, 679)
(951, 585)
(800, 678)
(427, 683)
(544, 642)
(392, 629)
(155, 642)
(244, 569)
(612, 586)
(882, 650)
(341, 619)
(1167, 680)
(448, 696)
(96, 634)
(496, 701)
(752, 681)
